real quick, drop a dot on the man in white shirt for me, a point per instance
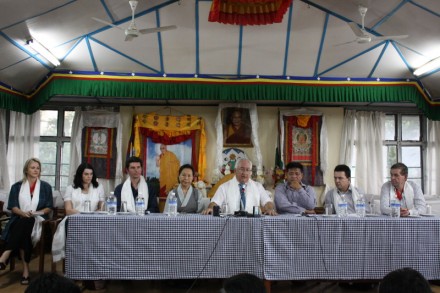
(242, 193)
(344, 189)
(408, 193)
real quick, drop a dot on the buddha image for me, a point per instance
(302, 143)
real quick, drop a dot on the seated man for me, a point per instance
(292, 196)
(408, 193)
(242, 193)
(133, 185)
(344, 188)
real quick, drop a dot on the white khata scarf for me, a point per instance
(337, 198)
(31, 204)
(78, 198)
(407, 196)
(127, 194)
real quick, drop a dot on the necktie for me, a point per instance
(242, 196)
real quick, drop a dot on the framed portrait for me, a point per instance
(237, 127)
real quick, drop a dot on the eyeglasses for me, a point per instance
(244, 170)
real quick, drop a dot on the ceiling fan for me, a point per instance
(362, 36)
(132, 31)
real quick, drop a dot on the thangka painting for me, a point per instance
(302, 142)
(99, 150)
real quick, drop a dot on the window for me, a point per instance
(404, 142)
(55, 132)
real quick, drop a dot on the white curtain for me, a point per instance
(95, 118)
(4, 177)
(24, 139)
(432, 183)
(361, 146)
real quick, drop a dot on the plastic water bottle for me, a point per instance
(111, 204)
(342, 207)
(360, 207)
(395, 208)
(140, 205)
(172, 205)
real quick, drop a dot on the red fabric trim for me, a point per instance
(165, 139)
(109, 154)
(398, 194)
(315, 142)
(32, 188)
(248, 12)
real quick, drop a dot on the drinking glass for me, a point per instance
(328, 209)
(372, 208)
(225, 209)
(124, 208)
(87, 206)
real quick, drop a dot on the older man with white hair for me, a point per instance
(241, 193)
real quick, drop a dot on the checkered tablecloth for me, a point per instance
(161, 247)
(304, 248)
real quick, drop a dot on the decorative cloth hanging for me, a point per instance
(303, 139)
(248, 12)
(167, 130)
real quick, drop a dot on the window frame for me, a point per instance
(399, 143)
(59, 139)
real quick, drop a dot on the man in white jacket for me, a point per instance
(242, 193)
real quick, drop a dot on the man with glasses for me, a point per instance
(292, 196)
(242, 193)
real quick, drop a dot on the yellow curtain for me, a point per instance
(172, 126)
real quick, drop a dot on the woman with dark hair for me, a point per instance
(85, 188)
(189, 199)
(29, 199)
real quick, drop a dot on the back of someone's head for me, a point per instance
(404, 280)
(52, 283)
(243, 283)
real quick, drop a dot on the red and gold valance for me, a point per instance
(171, 130)
(248, 12)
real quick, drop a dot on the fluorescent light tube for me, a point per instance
(427, 67)
(34, 44)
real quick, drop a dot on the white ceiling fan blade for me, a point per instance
(384, 38)
(340, 44)
(107, 23)
(129, 38)
(356, 29)
(157, 29)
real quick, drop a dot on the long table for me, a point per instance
(161, 247)
(273, 248)
(349, 248)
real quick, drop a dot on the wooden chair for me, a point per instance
(4, 217)
(47, 232)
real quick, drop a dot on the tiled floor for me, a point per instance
(9, 283)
